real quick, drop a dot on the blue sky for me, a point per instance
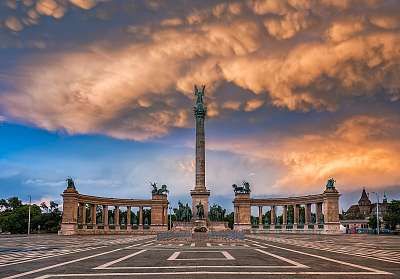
(102, 91)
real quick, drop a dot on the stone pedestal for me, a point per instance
(69, 224)
(242, 212)
(331, 211)
(197, 197)
(158, 212)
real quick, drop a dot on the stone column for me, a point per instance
(93, 211)
(69, 223)
(166, 216)
(235, 215)
(200, 192)
(284, 215)
(128, 218)
(141, 216)
(80, 209)
(331, 211)
(273, 217)
(260, 212)
(242, 204)
(116, 218)
(318, 212)
(105, 217)
(307, 214)
(295, 215)
(84, 216)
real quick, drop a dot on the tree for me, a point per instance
(16, 221)
(4, 205)
(53, 206)
(44, 207)
(392, 216)
(372, 222)
(230, 219)
(14, 202)
(15, 218)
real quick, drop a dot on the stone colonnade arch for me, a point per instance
(326, 216)
(75, 216)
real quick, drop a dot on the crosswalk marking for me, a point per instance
(13, 253)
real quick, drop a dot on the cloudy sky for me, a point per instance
(102, 90)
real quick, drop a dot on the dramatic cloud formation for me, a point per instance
(362, 151)
(132, 77)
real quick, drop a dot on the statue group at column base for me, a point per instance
(211, 226)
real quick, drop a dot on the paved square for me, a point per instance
(258, 256)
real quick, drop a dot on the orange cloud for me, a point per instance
(362, 151)
(140, 89)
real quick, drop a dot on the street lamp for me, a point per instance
(29, 215)
(377, 212)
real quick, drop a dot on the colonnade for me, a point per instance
(295, 222)
(326, 213)
(75, 216)
(104, 223)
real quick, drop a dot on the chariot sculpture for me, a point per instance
(243, 189)
(159, 191)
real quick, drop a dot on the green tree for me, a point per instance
(44, 207)
(392, 216)
(4, 205)
(16, 221)
(230, 219)
(372, 222)
(14, 202)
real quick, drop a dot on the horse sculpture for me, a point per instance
(331, 183)
(162, 191)
(70, 183)
(244, 189)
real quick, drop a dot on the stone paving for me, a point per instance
(257, 256)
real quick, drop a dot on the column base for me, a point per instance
(68, 229)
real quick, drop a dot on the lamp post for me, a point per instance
(377, 212)
(29, 215)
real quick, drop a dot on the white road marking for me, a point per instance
(175, 255)
(206, 273)
(357, 251)
(64, 263)
(282, 258)
(376, 271)
(119, 260)
(227, 255)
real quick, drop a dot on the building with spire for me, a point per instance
(357, 216)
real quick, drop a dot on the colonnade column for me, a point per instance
(307, 214)
(140, 216)
(166, 216)
(128, 218)
(318, 213)
(273, 216)
(235, 215)
(284, 215)
(116, 217)
(84, 216)
(295, 215)
(260, 212)
(105, 217)
(93, 211)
